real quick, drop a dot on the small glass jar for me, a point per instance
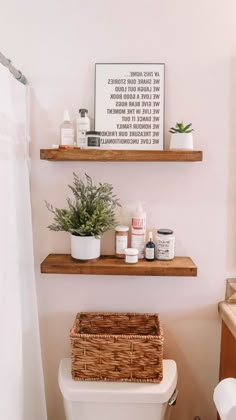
(121, 240)
(131, 255)
(92, 140)
(165, 244)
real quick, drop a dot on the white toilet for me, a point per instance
(225, 398)
(92, 400)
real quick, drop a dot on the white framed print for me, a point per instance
(129, 105)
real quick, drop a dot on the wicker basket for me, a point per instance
(117, 347)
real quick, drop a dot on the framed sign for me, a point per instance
(129, 105)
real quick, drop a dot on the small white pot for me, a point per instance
(85, 247)
(181, 141)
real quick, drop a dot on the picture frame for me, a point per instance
(129, 105)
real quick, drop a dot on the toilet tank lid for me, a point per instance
(123, 392)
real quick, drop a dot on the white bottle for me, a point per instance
(67, 132)
(82, 125)
(138, 231)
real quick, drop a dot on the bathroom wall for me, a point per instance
(56, 44)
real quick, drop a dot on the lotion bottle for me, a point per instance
(138, 231)
(82, 125)
(67, 132)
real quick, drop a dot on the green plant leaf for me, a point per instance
(181, 128)
(187, 127)
(90, 211)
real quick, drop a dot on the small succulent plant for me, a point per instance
(181, 128)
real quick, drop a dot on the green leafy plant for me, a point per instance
(90, 212)
(181, 128)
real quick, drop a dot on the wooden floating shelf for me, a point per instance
(121, 155)
(109, 265)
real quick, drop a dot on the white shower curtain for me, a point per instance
(21, 377)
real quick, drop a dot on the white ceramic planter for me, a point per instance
(181, 141)
(85, 247)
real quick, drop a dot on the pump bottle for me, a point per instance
(82, 125)
(138, 231)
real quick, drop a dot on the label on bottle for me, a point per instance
(165, 248)
(121, 244)
(93, 141)
(138, 222)
(138, 242)
(67, 136)
(83, 125)
(81, 138)
(149, 253)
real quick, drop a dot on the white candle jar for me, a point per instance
(131, 255)
(165, 244)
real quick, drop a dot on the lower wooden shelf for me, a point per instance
(109, 265)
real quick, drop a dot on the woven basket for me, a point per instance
(117, 347)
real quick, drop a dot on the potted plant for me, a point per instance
(181, 137)
(90, 213)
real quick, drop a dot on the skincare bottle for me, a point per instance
(67, 132)
(138, 231)
(165, 244)
(121, 238)
(150, 248)
(82, 125)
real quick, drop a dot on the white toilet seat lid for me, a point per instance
(123, 392)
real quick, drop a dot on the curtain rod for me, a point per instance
(16, 73)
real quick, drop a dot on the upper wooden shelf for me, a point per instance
(109, 265)
(121, 155)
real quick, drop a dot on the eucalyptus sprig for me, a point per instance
(181, 128)
(90, 212)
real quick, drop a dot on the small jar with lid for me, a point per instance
(92, 140)
(131, 255)
(165, 244)
(121, 240)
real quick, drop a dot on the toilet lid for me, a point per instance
(123, 392)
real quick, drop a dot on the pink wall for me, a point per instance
(56, 44)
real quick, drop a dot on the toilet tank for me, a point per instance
(98, 400)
